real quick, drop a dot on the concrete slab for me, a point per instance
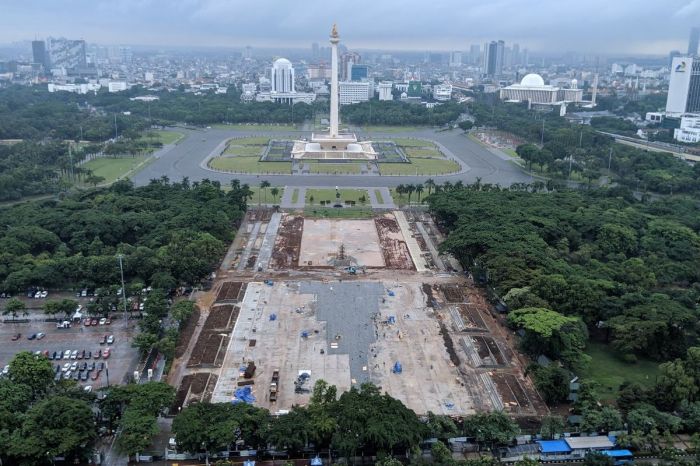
(268, 242)
(413, 247)
(322, 238)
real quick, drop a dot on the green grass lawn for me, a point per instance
(270, 127)
(510, 152)
(295, 195)
(345, 212)
(251, 141)
(336, 168)
(257, 191)
(419, 166)
(112, 169)
(247, 151)
(378, 195)
(609, 371)
(329, 195)
(409, 142)
(167, 137)
(249, 165)
(423, 153)
(388, 129)
(401, 200)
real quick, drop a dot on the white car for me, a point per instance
(88, 388)
(103, 320)
(110, 339)
(40, 335)
(74, 366)
(66, 367)
(6, 370)
(37, 295)
(74, 354)
(44, 294)
(66, 354)
(66, 375)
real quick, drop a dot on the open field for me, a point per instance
(609, 371)
(410, 142)
(388, 129)
(413, 152)
(249, 165)
(254, 127)
(345, 212)
(244, 150)
(167, 137)
(336, 168)
(259, 193)
(114, 168)
(329, 195)
(420, 166)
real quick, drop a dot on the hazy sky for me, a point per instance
(597, 26)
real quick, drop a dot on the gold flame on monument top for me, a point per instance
(334, 32)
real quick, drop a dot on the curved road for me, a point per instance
(185, 160)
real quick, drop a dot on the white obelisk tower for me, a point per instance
(335, 38)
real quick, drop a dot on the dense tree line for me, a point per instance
(169, 234)
(400, 113)
(628, 267)
(560, 149)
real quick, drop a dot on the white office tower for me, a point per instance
(684, 87)
(384, 89)
(282, 76)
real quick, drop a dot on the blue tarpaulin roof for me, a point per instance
(243, 395)
(554, 446)
(316, 461)
(617, 453)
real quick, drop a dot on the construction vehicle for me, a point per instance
(351, 270)
(300, 383)
(274, 385)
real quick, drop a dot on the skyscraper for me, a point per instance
(68, 54)
(694, 40)
(39, 53)
(684, 87)
(315, 52)
(474, 54)
(494, 58)
(515, 58)
(346, 61)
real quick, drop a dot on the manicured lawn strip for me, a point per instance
(329, 195)
(345, 212)
(257, 191)
(241, 127)
(401, 200)
(295, 195)
(388, 129)
(410, 142)
(336, 168)
(608, 371)
(425, 153)
(420, 166)
(112, 168)
(247, 151)
(378, 195)
(167, 137)
(249, 165)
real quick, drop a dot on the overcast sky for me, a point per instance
(591, 26)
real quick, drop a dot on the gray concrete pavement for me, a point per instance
(186, 158)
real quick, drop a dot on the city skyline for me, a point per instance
(630, 26)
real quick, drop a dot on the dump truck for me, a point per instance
(274, 385)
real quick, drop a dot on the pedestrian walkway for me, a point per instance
(386, 201)
(287, 201)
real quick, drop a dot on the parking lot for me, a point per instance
(119, 366)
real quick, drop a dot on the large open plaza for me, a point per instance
(349, 301)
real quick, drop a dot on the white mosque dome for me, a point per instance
(282, 62)
(574, 83)
(532, 80)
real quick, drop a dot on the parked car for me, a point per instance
(84, 376)
(76, 376)
(91, 366)
(88, 355)
(67, 354)
(108, 321)
(96, 354)
(58, 376)
(101, 366)
(56, 355)
(87, 322)
(74, 354)
(64, 324)
(37, 295)
(16, 336)
(44, 294)
(40, 335)
(104, 340)
(6, 370)
(105, 353)
(66, 367)
(93, 322)
(32, 336)
(78, 355)
(83, 366)
(95, 375)
(87, 388)
(103, 321)
(67, 375)
(110, 339)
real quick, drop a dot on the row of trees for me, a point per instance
(169, 234)
(560, 149)
(400, 113)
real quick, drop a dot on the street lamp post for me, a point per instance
(121, 270)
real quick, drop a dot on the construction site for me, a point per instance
(349, 301)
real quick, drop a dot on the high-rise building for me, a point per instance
(347, 60)
(494, 58)
(65, 53)
(455, 59)
(39, 53)
(384, 89)
(359, 72)
(282, 76)
(525, 58)
(247, 52)
(515, 56)
(354, 92)
(474, 54)
(684, 87)
(694, 41)
(315, 52)
(673, 54)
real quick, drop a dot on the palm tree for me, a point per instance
(430, 184)
(400, 190)
(264, 185)
(410, 189)
(419, 190)
(274, 191)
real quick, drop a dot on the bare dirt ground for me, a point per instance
(455, 353)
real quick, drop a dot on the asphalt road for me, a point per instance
(186, 160)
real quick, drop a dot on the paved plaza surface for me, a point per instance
(186, 159)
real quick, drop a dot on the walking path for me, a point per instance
(287, 201)
(249, 246)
